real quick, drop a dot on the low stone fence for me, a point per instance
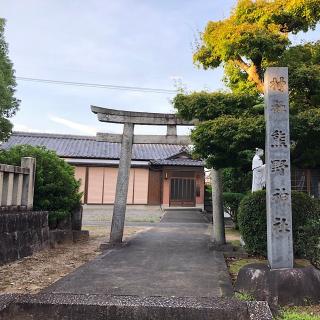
(22, 233)
(17, 185)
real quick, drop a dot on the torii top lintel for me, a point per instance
(144, 118)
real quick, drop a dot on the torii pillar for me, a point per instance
(129, 119)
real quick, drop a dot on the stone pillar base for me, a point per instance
(294, 286)
(109, 245)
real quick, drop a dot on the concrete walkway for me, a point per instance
(163, 261)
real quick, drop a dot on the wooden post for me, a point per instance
(119, 209)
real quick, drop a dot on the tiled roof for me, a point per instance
(178, 162)
(70, 146)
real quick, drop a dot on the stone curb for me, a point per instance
(98, 307)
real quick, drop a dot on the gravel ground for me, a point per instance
(31, 274)
(97, 215)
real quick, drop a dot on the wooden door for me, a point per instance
(154, 190)
(182, 192)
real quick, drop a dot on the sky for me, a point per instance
(144, 43)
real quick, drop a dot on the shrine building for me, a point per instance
(162, 175)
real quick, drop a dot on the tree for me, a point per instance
(253, 37)
(8, 103)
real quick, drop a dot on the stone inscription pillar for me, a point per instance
(119, 209)
(278, 180)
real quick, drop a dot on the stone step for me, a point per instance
(98, 307)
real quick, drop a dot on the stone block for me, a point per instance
(80, 235)
(64, 224)
(292, 286)
(22, 232)
(60, 237)
(76, 218)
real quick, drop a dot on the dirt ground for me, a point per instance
(31, 274)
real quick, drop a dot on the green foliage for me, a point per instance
(237, 180)
(244, 296)
(254, 36)
(210, 105)
(56, 216)
(231, 202)
(308, 241)
(305, 134)
(228, 141)
(56, 189)
(8, 103)
(252, 222)
(252, 219)
(232, 125)
(295, 314)
(303, 62)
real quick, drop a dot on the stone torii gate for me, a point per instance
(129, 119)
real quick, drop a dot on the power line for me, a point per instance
(98, 85)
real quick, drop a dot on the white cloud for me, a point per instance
(84, 129)
(22, 127)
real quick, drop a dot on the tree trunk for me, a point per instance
(218, 233)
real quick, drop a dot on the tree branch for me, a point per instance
(252, 72)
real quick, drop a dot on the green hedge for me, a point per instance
(56, 188)
(253, 222)
(231, 202)
(308, 241)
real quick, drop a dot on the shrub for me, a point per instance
(231, 202)
(308, 241)
(56, 188)
(253, 222)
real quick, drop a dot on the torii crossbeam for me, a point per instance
(129, 119)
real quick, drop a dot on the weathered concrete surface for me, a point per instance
(100, 307)
(173, 261)
(183, 216)
(293, 286)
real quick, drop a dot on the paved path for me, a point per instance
(172, 261)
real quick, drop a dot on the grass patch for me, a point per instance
(244, 296)
(300, 313)
(235, 264)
